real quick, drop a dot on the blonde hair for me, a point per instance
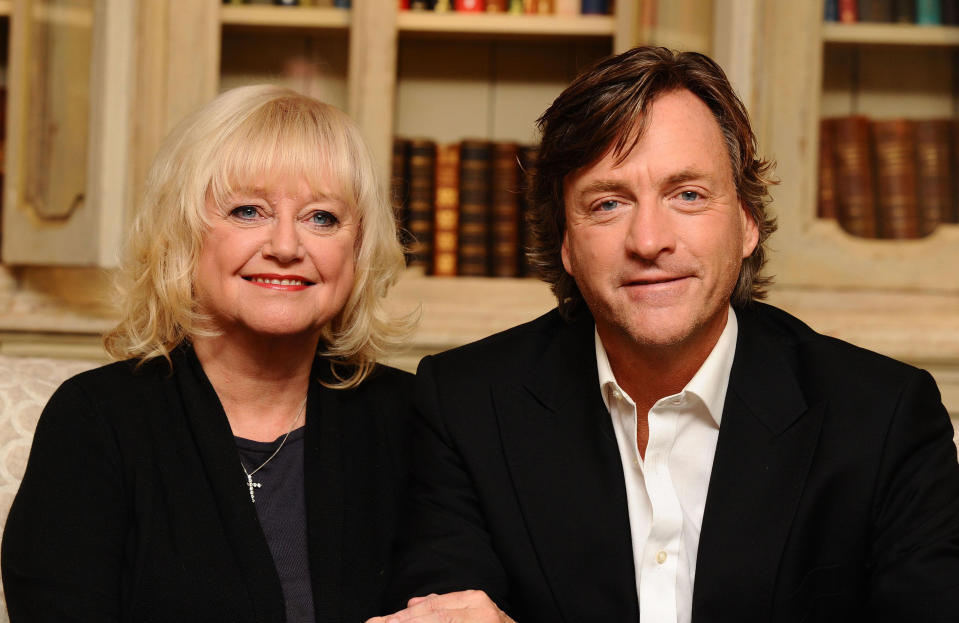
(243, 133)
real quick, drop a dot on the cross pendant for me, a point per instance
(251, 485)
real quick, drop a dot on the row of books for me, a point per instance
(340, 4)
(519, 7)
(895, 178)
(926, 12)
(462, 205)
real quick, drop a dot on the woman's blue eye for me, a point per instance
(323, 218)
(244, 212)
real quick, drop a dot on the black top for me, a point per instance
(280, 503)
(134, 506)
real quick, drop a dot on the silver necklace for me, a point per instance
(249, 475)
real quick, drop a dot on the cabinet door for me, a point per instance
(815, 252)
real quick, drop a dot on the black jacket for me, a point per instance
(134, 506)
(834, 493)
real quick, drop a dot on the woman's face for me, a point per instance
(278, 259)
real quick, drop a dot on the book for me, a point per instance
(469, 6)
(929, 12)
(875, 11)
(950, 12)
(896, 178)
(474, 208)
(527, 166)
(904, 11)
(594, 7)
(497, 6)
(567, 7)
(446, 211)
(934, 173)
(855, 192)
(422, 161)
(848, 11)
(830, 11)
(504, 211)
(399, 189)
(827, 171)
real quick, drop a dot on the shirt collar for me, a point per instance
(709, 383)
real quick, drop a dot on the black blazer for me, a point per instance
(134, 505)
(834, 494)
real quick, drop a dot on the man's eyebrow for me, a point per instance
(684, 175)
(602, 186)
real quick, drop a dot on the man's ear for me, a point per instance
(750, 231)
(564, 252)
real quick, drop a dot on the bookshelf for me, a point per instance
(449, 77)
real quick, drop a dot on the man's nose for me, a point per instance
(652, 230)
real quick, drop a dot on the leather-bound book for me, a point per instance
(504, 210)
(952, 214)
(527, 166)
(497, 6)
(934, 172)
(827, 170)
(400, 188)
(950, 12)
(855, 190)
(474, 208)
(896, 177)
(875, 11)
(420, 223)
(446, 207)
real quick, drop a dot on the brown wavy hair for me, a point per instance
(604, 108)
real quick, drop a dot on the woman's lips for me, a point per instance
(290, 283)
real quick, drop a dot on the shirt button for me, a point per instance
(661, 556)
(617, 395)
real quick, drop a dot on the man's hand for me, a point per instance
(459, 607)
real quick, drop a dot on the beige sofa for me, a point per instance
(26, 384)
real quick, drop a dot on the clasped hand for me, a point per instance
(460, 607)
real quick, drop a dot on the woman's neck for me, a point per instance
(261, 382)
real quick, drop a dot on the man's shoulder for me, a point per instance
(819, 355)
(511, 348)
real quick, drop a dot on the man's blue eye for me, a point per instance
(689, 195)
(244, 212)
(608, 205)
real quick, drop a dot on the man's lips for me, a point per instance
(279, 282)
(654, 281)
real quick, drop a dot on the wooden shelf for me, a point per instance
(284, 17)
(890, 34)
(505, 24)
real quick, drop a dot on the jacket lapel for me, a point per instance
(220, 462)
(562, 455)
(766, 443)
(324, 498)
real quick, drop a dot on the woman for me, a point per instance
(244, 462)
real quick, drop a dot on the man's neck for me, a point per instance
(649, 373)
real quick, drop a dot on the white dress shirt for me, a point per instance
(666, 492)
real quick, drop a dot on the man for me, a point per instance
(662, 447)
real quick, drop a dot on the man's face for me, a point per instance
(656, 242)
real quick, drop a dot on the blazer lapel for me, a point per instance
(217, 451)
(766, 443)
(324, 498)
(562, 455)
